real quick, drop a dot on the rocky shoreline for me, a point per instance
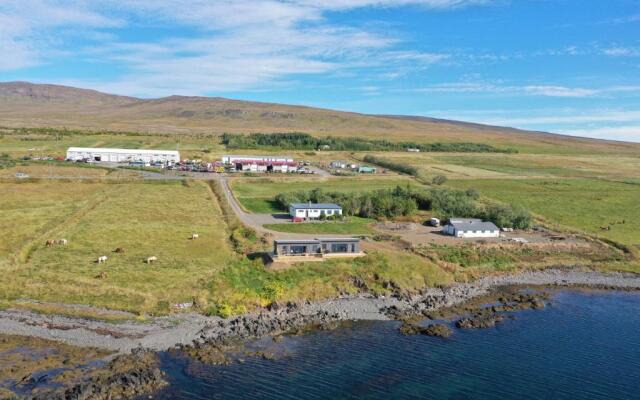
(134, 369)
(163, 333)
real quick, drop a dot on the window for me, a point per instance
(339, 248)
(298, 249)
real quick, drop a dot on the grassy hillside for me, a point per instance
(29, 105)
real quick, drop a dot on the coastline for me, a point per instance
(164, 333)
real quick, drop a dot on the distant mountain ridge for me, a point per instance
(24, 104)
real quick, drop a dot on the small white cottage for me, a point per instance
(313, 211)
(471, 228)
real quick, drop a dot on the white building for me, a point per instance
(471, 228)
(314, 211)
(122, 155)
(261, 163)
(234, 159)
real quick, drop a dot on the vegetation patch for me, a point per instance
(304, 141)
(248, 284)
(392, 165)
(349, 226)
(603, 208)
(405, 201)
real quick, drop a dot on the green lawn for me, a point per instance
(586, 204)
(352, 225)
(257, 194)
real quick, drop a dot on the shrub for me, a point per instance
(439, 180)
(394, 166)
(508, 216)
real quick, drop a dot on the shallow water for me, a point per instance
(585, 345)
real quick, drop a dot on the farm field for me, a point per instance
(64, 170)
(585, 204)
(143, 218)
(353, 225)
(257, 194)
(507, 166)
(41, 145)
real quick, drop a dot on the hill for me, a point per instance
(25, 104)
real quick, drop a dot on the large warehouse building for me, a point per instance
(122, 155)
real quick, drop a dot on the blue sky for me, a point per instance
(566, 66)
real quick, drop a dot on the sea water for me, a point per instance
(583, 345)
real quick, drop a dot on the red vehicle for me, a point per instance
(297, 219)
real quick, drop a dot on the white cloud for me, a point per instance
(231, 44)
(558, 91)
(629, 133)
(619, 51)
(530, 90)
(595, 123)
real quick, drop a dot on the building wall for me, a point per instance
(451, 230)
(121, 156)
(312, 213)
(478, 234)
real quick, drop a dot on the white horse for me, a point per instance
(102, 259)
(62, 242)
(151, 259)
(194, 236)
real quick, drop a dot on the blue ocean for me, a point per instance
(583, 345)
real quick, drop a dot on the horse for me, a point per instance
(102, 259)
(50, 243)
(62, 242)
(194, 236)
(119, 250)
(151, 259)
(101, 275)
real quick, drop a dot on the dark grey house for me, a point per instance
(316, 247)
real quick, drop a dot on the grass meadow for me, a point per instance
(146, 219)
(585, 204)
(351, 225)
(257, 194)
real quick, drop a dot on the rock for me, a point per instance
(438, 330)
(480, 321)
(127, 376)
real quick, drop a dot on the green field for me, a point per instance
(257, 194)
(585, 204)
(41, 145)
(352, 225)
(146, 219)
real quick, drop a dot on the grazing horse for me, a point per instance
(102, 259)
(119, 250)
(194, 236)
(62, 242)
(50, 243)
(151, 259)
(101, 275)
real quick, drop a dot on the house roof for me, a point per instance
(297, 241)
(316, 241)
(472, 225)
(119, 151)
(308, 206)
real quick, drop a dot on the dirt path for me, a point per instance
(257, 221)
